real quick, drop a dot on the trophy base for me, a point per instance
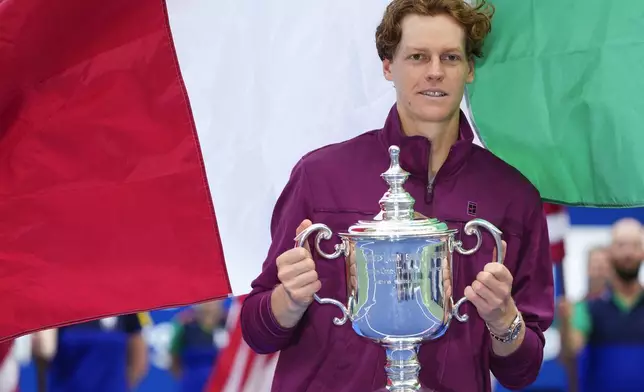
(402, 366)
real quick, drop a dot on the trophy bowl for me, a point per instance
(399, 269)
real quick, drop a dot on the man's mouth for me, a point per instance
(434, 93)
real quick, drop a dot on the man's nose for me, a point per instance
(435, 70)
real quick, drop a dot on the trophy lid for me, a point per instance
(397, 217)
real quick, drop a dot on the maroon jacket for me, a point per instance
(340, 184)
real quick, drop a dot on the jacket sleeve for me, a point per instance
(260, 329)
(533, 293)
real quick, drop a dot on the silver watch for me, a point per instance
(513, 330)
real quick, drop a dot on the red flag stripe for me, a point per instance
(103, 193)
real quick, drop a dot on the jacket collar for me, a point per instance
(414, 150)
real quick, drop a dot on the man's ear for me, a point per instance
(470, 72)
(386, 69)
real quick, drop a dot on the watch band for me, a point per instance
(513, 330)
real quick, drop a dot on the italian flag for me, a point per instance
(143, 143)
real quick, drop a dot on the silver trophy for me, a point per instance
(402, 291)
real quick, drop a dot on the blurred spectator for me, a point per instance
(608, 329)
(599, 271)
(195, 346)
(9, 371)
(107, 355)
(599, 274)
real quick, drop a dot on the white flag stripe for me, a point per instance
(266, 87)
(467, 109)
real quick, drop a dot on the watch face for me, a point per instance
(516, 330)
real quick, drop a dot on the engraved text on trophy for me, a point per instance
(399, 270)
(408, 276)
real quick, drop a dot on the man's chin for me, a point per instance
(435, 115)
(627, 274)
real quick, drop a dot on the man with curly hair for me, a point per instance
(427, 48)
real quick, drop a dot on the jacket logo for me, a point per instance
(471, 208)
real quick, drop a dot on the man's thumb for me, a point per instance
(504, 246)
(303, 226)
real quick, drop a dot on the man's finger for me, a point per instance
(483, 291)
(499, 272)
(304, 279)
(499, 288)
(303, 266)
(475, 299)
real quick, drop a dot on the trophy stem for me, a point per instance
(402, 366)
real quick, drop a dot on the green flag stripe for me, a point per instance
(558, 96)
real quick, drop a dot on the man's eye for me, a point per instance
(452, 57)
(416, 57)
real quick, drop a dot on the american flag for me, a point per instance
(240, 369)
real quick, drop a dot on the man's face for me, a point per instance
(430, 68)
(599, 270)
(626, 253)
(598, 265)
(209, 309)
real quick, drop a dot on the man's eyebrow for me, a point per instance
(414, 49)
(421, 49)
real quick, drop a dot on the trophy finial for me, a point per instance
(394, 155)
(396, 203)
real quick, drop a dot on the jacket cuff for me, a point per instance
(260, 329)
(527, 356)
(267, 318)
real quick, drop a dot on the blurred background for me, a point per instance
(182, 349)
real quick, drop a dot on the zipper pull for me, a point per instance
(430, 191)
(429, 196)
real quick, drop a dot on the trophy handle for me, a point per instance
(472, 227)
(324, 234)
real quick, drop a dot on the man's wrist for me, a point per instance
(291, 306)
(502, 326)
(286, 312)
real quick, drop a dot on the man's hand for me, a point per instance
(564, 310)
(491, 294)
(296, 272)
(572, 340)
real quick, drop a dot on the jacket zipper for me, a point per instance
(430, 190)
(431, 180)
